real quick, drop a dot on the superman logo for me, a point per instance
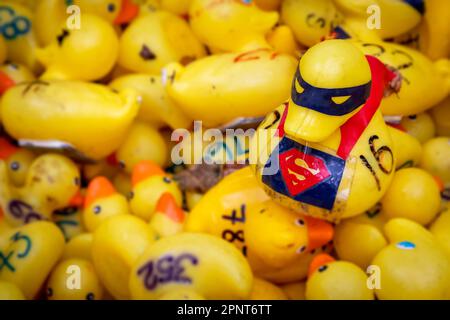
(301, 171)
(305, 174)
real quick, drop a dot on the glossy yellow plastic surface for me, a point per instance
(117, 244)
(79, 247)
(156, 108)
(222, 87)
(337, 280)
(413, 265)
(264, 290)
(398, 17)
(9, 291)
(168, 218)
(310, 20)
(425, 83)
(436, 158)
(19, 35)
(74, 279)
(179, 7)
(359, 239)
(208, 265)
(435, 30)
(156, 39)
(420, 126)
(408, 150)
(148, 187)
(51, 182)
(282, 40)
(102, 202)
(89, 116)
(441, 230)
(231, 25)
(87, 53)
(441, 117)
(142, 142)
(413, 194)
(295, 290)
(29, 258)
(114, 11)
(18, 161)
(50, 17)
(268, 4)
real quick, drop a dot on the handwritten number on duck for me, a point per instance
(166, 269)
(380, 156)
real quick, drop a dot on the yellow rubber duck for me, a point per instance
(178, 7)
(49, 18)
(397, 17)
(413, 194)
(79, 247)
(264, 290)
(74, 279)
(19, 35)
(310, 20)
(420, 126)
(122, 183)
(88, 53)
(441, 117)
(441, 230)
(360, 238)
(70, 219)
(268, 4)
(231, 26)
(91, 118)
(150, 182)
(209, 266)
(168, 218)
(52, 181)
(27, 258)
(12, 74)
(116, 246)
(329, 279)
(102, 202)
(114, 11)
(18, 161)
(407, 149)
(236, 85)
(282, 40)
(295, 290)
(413, 266)
(425, 83)
(434, 32)
(436, 158)
(142, 142)
(3, 50)
(232, 210)
(168, 39)
(9, 291)
(328, 152)
(157, 108)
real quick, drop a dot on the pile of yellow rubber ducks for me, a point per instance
(345, 187)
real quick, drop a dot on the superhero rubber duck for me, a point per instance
(327, 152)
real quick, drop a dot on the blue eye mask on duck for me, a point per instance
(321, 100)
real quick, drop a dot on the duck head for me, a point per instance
(331, 84)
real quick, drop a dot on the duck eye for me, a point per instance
(413, 117)
(131, 195)
(77, 181)
(300, 222)
(90, 296)
(301, 250)
(97, 209)
(15, 166)
(111, 7)
(323, 268)
(167, 180)
(49, 292)
(122, 164)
